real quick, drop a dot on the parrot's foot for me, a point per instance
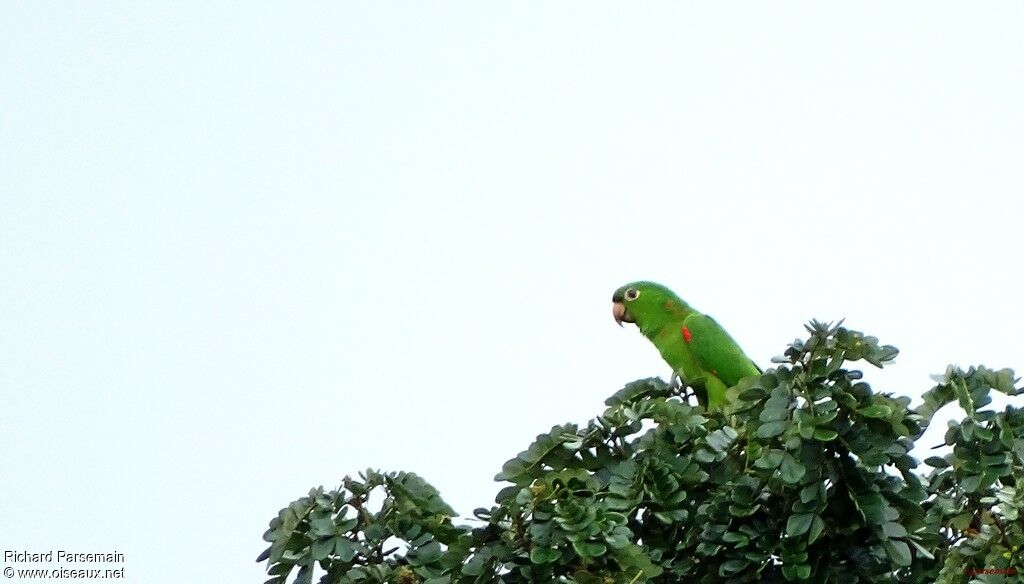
(674, 382)
(677, 382)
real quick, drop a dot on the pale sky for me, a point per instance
(248, 249)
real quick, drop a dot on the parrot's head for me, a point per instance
(642, 303)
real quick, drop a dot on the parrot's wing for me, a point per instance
(716, 350)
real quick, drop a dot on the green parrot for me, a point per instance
(696, 347)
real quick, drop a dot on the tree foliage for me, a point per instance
(807, 477)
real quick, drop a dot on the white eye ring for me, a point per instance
(632, 294)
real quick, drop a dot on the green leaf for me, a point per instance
(970, 483)
(961, 521)
(898, 551)
(792, 471)
(734, 537)
(799, 523)
(769, 459)
(426, 554)
(720, 440)
(527, 465)
(753, 394)
(589, 549)
(322, 526)
(703, 455)
(810, 492)
(876, 411)
(475, 565)
(322, 548)
(825, 434)
(893, 529)
(777, 406)
(770, 429)
(731, 567)
(816, 529)
(345, 549)
(873, 507)
(803, 571)
(543, 555)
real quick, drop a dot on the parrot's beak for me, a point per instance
(620, 313)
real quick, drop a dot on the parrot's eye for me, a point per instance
(632, 294)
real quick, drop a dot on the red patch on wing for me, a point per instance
(687, 335)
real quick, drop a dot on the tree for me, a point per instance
(807, 477)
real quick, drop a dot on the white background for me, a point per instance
(246, 249)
